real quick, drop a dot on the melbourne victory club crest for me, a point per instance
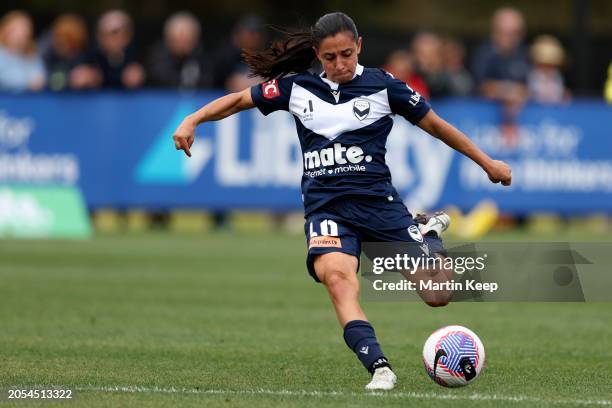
(361, 109)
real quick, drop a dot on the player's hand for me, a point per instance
(184, 135)
(498, 171)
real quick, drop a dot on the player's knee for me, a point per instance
(338, 280)
(437, 302)
(340, 284)
(439, 299)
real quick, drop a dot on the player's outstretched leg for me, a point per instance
(338, 272)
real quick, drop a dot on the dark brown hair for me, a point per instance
(294, 51)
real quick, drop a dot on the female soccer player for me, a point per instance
(343, 117)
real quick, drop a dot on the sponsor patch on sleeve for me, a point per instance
(270, 89)
(323, 241)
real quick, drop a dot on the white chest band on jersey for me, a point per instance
(332, 120)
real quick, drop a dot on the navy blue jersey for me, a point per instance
(343, 129)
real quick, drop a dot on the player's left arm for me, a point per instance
(497, 170)
(405, 101)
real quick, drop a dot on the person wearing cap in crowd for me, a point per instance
(545, 82)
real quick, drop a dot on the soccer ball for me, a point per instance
(453, 356)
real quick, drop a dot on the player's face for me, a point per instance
(338, 56)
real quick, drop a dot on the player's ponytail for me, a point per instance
(294, 51)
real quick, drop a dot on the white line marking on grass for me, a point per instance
(306, 393)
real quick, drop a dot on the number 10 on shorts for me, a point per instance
(326, 228)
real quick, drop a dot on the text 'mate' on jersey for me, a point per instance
(342, 128)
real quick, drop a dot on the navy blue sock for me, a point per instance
(360, 337)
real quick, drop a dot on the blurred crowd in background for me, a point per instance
(67, 56)
(63, 57)
(70, 55)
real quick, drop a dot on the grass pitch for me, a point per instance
(235, 320)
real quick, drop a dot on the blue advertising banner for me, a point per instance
(117, 148)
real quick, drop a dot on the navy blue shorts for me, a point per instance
(344, 223)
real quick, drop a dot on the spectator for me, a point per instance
(427, 50)
(501, 66)
(115, 56)
(545, 81)
(460, 81)
(400, 64)
(179, 62)
(21, 67)
(66, 59)
(231, 71)
(234, 75)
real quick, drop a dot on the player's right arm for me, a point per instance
(268, 97)
(218, 109)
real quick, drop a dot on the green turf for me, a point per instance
(234, 320)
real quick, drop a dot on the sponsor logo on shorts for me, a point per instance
(324, 242)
